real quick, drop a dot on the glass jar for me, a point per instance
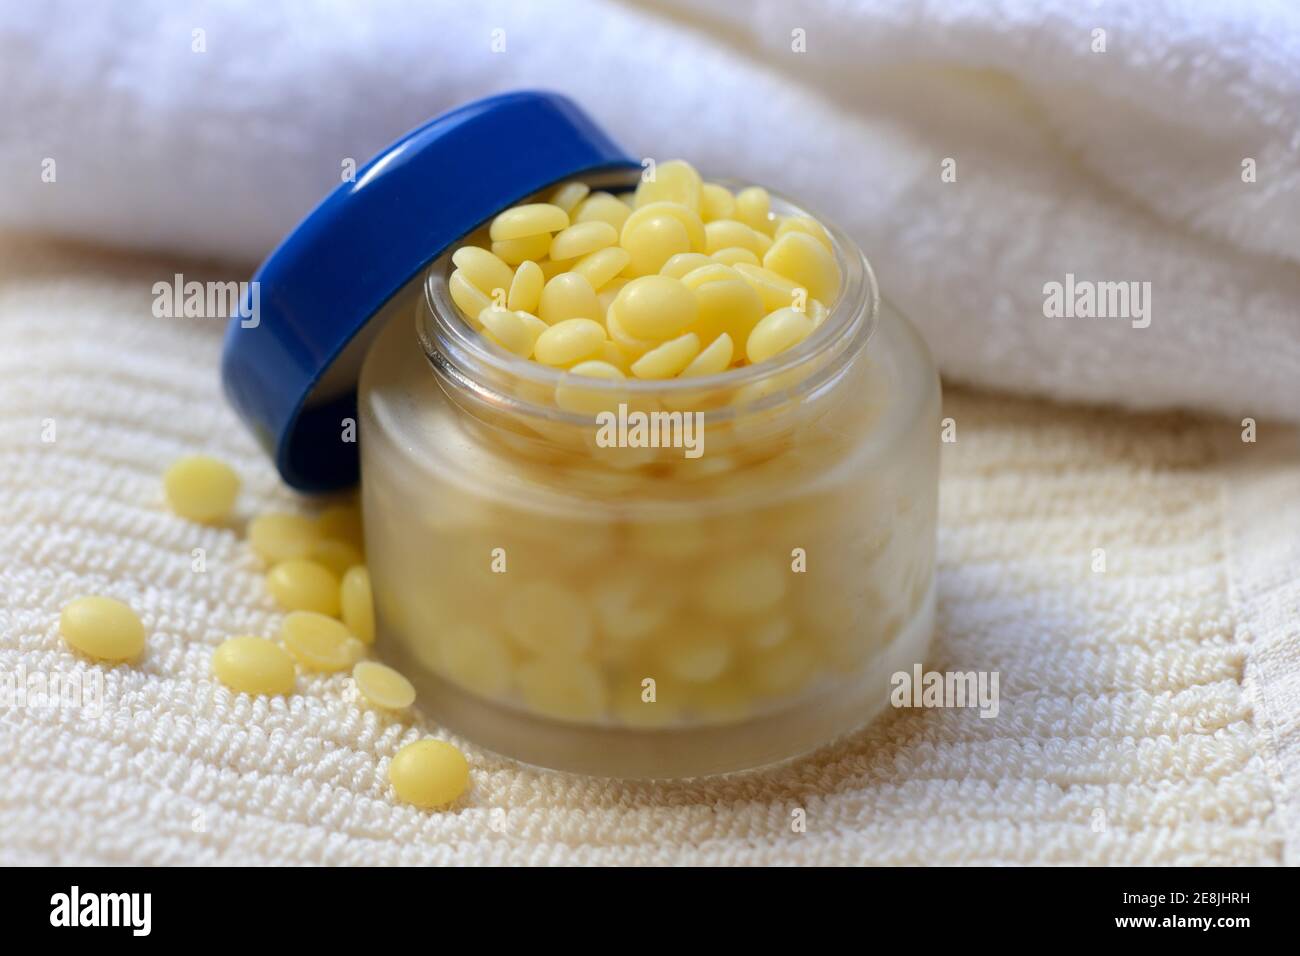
(564, 592)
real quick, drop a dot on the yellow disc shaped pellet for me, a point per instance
(688, 218)
(734, 254)
(429, 774)
(730, 233)
(516, 251)
(301, 585)
(668, 359)
(487, 271)
(530, 219)
(511, 330)
(652, 242)
(803, 260)
(567, 296)
(252, 665)
(716, 203)
(726, 302)
(775, 290)
(673, 181)
(776, 332)
(602, 266)
(569, 342)
(357, 604)
(602, 207)
(568, 196)
(320, 643)
(280, 537)
(753, 206)
(713, 360)
(573, 397)
(631, 346)
(382, 686)
(468, 297)
(805, 224)
(526, 287)
(201, 488)
(338, 556)
(582, 239)
(684, 263)
(654, 308)
(103, 628)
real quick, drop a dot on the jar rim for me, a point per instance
(459, 352)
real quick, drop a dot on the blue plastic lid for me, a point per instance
(287, 365)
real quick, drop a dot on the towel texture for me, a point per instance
(1111, 156)
(1148, 711)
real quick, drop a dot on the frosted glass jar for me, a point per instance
(587, 605)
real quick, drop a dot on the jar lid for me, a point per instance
(293, 351)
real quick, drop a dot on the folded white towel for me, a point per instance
(1115, 156)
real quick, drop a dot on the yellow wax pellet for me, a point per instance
(516, 251)
(753, 208)
(802, 259)
(300, 585)
(652, 242)
(805, 224)
(775, 290)
(602, 207)
(487, 271)
(252, 665)
(342, 522)
(673, 181)
(586, 401)
(526, 287)
(467, 296)
(279, 537)
(726, 302)
(569, 195)
(320, 643)
(570, 341)
(602, 266)
(609, 291)
(776, 332)
(654, 308)
(382, 686)
(582, 239)
(547, 618)
(429, 774)
(713, 360)
(511, 330)
(668, 359)
(477, 660)
(717, 203)
(743, 585)
(613, 353)
(733, 254)
(201, 488)
(530, 219)
(567, 296)
(564, 688)
(357, 603)
(684, 263)
(696, 655)
(689, 219)
(629, 345)
(103, 628)
(729, 233)
(336, 555)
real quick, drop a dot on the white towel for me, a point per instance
(1113, 156)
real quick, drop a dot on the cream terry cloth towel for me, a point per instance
(1149, 142)
(1149, 713)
